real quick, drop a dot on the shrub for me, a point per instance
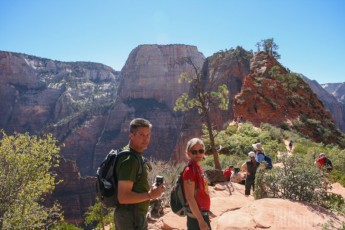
(65, 226)
(27, 166)
(99, 216)
(294, 181)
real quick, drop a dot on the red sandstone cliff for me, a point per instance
(272, 95)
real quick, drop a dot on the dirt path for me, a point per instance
(288, 151)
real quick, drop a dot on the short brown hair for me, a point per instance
(138, 123)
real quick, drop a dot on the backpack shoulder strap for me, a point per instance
(140, 170)
(181, 178)
(127, 152)
(140, 161)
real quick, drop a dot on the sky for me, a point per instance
(310, 33)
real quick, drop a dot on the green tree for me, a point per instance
(204, 100)
(65, 226)
(269, 46)
(26, 177)
(100, 215)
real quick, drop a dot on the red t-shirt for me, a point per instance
(321, 161)
(194, 173)
(227, 173)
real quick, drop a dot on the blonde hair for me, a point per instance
(193, 142)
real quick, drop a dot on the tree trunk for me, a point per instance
(213, 146)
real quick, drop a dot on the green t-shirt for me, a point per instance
(127, 169)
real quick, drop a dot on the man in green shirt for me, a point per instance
(134, 193)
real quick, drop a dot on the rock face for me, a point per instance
(36, 92)
(75, 193)
(276, 214)
(233, 210)
(272, 95)
(337, 90)
(334, 104)
(71, 101)
(149, 88)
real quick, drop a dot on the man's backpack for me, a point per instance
(178, 202)
(106, 184)
(269, 162)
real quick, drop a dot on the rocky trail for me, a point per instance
(233, 210)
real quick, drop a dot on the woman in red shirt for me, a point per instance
(196, 187)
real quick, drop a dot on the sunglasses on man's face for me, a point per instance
(200, 151)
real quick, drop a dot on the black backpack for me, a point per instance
(328, 164)
(269, 162)
(178, 203)
(106, 184)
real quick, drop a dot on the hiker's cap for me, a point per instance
(251, 154)
(257, 146)
(322, 155)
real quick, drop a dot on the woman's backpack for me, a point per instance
(328, 165)
(178, 202)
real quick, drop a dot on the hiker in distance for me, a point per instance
(250, 167)
(322, 162)
(259, 152)
(196, 187)
(261, 157)
(290, 145)
(134, 196)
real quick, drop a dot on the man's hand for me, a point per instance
(156, 192)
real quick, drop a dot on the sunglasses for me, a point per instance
(200, 151)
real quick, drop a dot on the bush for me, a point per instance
(296, 180)
(99, 216)
(65, 226)
(27, 166)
